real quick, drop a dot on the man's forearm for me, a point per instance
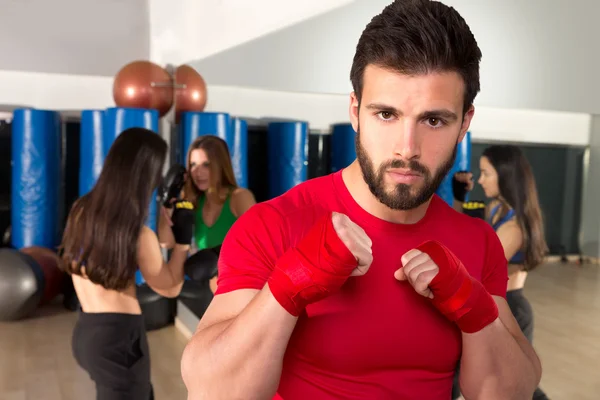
(498, 364)
(241, 357)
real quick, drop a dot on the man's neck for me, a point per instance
(361, 193)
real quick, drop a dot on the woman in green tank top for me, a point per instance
(212, 187)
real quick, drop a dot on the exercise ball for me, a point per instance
(21, 285)
(143, 84)
(190, 94)
(49, 262)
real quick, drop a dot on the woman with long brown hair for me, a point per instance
(212, 188)
(515, 213)
(104, 244)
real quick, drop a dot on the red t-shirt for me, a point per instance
(376, 338)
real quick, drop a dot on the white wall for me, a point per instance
(322, 110)
(196, 29)
(229, 23)
(55, 91)
(537, 54)
(173, 30)
(63, 59)
(62, 54)
(590, 222)
(76, 92)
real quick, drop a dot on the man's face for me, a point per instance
(407, 129)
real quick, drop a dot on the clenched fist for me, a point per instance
(435, 272)
(334, 249)
(356, 240)
(419, 270)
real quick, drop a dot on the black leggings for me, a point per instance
(523, 313)
(113, 349)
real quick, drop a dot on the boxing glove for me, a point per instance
(456, 294)
(171, 185)
(313, 269)
(474, 209)
(202, 266)
(183, 222)
(459, 188)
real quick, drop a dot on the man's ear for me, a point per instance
(353, 110)
(466, 123)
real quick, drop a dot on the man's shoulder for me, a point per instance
(464, 233)
(301, 199)
(465, 223)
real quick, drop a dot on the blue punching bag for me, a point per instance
(461, 163)
(195, 124)
(343, 149)
(91, 149)
(239, 150)
(118, 119)
(36, 178)
(288, 156)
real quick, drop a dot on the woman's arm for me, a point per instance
(164, 278)
(511, 237)
(165, 234)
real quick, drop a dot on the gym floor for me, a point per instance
(36, 360)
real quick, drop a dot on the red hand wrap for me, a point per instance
(318, 266)
(457, 294)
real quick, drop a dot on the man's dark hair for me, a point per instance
(418, 37)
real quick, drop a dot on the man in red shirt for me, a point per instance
(363, 284)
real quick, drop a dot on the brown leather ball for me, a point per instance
(192, 96)
(143, 84)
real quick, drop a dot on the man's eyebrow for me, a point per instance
(439, 113)
(382, 107)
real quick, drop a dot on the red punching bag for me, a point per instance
(48, 262)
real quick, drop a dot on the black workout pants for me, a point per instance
(113, 349)
(522, 311)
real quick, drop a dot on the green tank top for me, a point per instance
(205, 236)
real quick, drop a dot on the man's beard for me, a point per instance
(400, 198)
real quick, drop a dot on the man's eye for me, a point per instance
(435, 122)
(386, 115)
